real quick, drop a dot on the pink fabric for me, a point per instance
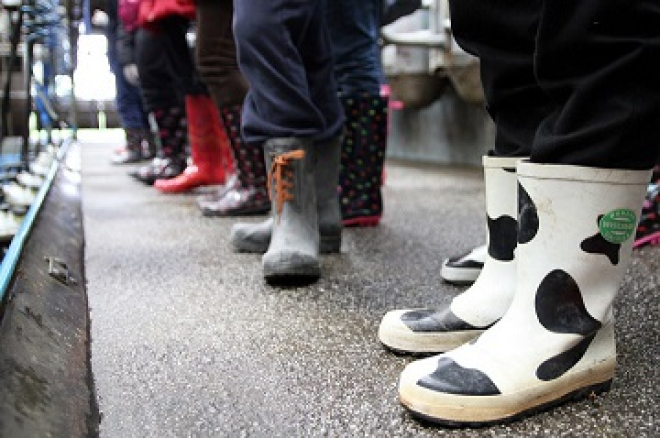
(129, 12)
(151, 11)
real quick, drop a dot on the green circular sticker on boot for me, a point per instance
(617, 226)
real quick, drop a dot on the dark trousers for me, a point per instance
(285, 53)
(128, 99)
(355, 29)
(165, 62)
(568, 82)
(216, 53)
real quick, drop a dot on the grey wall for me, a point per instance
(449, 131)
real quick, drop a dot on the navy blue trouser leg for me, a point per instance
(130, 109)
(568, 82)
(128, 99)
(284, 51)
(355, 30)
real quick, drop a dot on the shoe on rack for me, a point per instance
(41, 167)
(465, 268)
(43, 161)
(10, 223)
(30, 180)
(17, 195)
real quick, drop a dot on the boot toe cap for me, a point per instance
(290, 265)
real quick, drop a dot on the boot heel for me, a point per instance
(330, 245)
(364, 221)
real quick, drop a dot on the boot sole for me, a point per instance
(147, 181)
(291, 279)
(330, 245)
(292, 276)
(292, 270)
(365, 221)
(478, 411)
(653, 239)
(188, 186)
(395, 336)
(459, 275)
(236, 212)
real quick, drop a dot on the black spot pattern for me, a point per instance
(560, 307)
(527, 215)
(598, 245)
(427, 320)
(557, 365)
(451, 378)
(502, 238)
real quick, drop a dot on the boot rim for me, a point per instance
(526, 168)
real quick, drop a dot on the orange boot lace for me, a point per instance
(280, 175)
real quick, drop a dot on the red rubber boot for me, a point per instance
(209, 149)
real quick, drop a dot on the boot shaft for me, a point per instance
(248, 193)
(294, 245)
(489, 297)
(362, 158)
(209, 145)
(291, 185)
(501, 185)
(576, 232)
(327, 190)
(171, 131)
(149, 144)
(134, 137)
(132, 151)
(249, 160)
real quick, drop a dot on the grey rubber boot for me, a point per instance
(294, 246)
(251, 237)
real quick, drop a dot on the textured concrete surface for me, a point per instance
(188, 340)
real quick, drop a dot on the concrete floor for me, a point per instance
(189, 341)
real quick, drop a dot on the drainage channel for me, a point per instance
(45, 377)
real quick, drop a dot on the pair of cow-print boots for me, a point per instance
(536, 328)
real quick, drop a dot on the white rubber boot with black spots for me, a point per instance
(476, 309)
(464, 268)
(556, 341)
